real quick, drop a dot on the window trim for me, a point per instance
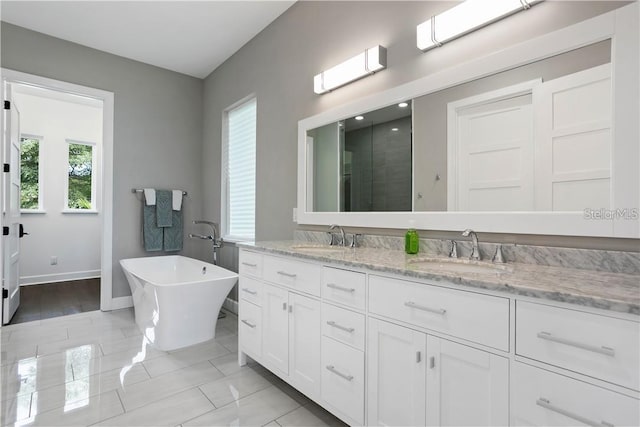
(40, 209)
(94, 174)
(224, 187)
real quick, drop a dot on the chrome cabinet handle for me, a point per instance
(340, 288)
(547, 405)
(602, 350)
(412, 304)
(248, 264)
(332, 369)
(335, 325)
(249, 324)
(284, 273)
(284, 306)
(249, 291)
(418, 357)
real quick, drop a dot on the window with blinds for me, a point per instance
(239, 172)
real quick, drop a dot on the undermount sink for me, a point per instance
(458, 265)
(322, 249)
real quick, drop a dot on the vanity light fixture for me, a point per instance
(403, 105)
(361, 65)
(464, 18)
(359, 117)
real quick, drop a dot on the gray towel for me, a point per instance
(164, 206)
(151, 234)
(173, 234)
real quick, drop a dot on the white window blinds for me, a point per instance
(239, 156)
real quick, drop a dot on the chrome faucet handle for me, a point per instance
(498, 257)
(354, 240)
(343, 241)
(331, 240)
(453, 253)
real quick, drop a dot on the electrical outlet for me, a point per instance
(54, 260)
(295, 214)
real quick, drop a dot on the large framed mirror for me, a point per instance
(540, 138)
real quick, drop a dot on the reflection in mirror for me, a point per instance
(362, 163)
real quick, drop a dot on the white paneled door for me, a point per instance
(396, 373)
(275, 328)
(304, 344)
(11, 209)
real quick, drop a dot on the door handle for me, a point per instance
(21, 232)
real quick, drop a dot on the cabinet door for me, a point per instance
(465, 386)
(275, 328)
(304, 344)
(396, 379)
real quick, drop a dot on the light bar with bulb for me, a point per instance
(464, 18)
(364, 64)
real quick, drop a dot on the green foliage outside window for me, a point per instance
(80, 170)
(29, 168)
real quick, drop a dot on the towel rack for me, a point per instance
(141, 190)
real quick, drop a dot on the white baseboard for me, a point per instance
(60, 277)
(121, 302)
(230, 305)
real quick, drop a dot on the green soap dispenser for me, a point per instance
(411, 240)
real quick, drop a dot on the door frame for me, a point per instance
(106, 169)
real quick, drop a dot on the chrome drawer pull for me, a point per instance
(547, 405)
(248, 264)
(412, 304)
(249, 291)
(332, 369)
(249, 324)
(335, 325)
(602, 350)
(284, 273)
(340, 288)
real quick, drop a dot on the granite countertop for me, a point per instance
(608, 291)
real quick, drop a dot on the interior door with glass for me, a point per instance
(12, 229)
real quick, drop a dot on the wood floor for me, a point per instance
(39, 302)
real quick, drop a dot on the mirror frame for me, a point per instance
(621, 27)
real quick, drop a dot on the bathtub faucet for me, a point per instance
(215, 238)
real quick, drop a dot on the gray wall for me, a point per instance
(157, 134)
(278, 67)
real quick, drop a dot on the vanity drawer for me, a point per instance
(301, 276)
(344, 287)
(250, 264)
(250, 290)
(250, 329)
(599, 346)
(342, 385)
(480, 318)
(542, 398)
(343, 325)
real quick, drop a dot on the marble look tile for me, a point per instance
(227, 364)
(35, 373)
(309, 416)
(272, 424)
(80, 413)
(229, 389)
(229, 342)
(40, 334)
(123, 344)
(165, 412)
(131, 331)
(10, 354)
(15, 409)
(84, 388)
(178, 359)
(145, 392)
(254, 410)
(68, 344)
(95, 333)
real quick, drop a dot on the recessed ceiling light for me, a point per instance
(403, 105)
(359, 117)
(394, 129)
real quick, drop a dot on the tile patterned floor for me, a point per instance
(95, 369)
(49, 300)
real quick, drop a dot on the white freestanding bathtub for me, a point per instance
(177, 299)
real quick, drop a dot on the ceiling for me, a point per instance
(190, 37)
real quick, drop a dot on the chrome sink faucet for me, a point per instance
(215, 238)
(475, 252)
(343, 241)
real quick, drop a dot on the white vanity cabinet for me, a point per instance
(379, 349)
(418, 379)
